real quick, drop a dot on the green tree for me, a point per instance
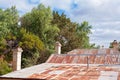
(3, 25)
(8, 21)
(72, 35)
(12, 36)
(83, 32)
(67, 31)
(32, 47)
(38, 21)
(8, 25)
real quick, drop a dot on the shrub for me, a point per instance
(4, 68)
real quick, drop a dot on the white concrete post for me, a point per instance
(17, 58)
(58, 48)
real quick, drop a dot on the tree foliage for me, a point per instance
(38, 21)
(8, 21)
(32, 47)
(12, 36)
(72, 35)
(8, 25)
(38, 32)
(83, 30)
(4, 68)
(29, 40)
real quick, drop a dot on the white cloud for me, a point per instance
(59, 4)
(106, 35)
(103, 15)
(97, 10)
(21, 5)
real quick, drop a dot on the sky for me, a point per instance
(102, 15)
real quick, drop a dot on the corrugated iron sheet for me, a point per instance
(77, 72)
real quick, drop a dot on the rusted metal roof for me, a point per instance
(79, 64)
(77, 72)
(85, 58)
(94, 51)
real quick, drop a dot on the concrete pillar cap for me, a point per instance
(19, 49)
(58, 43)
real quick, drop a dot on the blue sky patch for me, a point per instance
(60, 11)
(33, 1)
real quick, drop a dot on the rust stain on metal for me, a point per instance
(76, 72)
